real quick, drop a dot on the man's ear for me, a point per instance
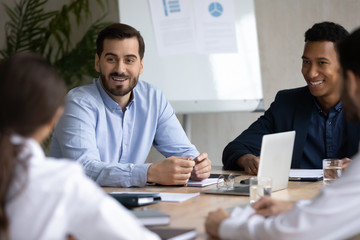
(97, 63)
(353, 84)
(141, 65)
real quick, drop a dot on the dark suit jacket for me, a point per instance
(291, 110)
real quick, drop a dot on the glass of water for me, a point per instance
(332, 170)
(259, 186)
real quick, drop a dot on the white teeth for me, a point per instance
(119, 79)
(316, 83)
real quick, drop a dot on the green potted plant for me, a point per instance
(50, 34)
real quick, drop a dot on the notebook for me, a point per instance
(203, 183)
(152, 217)
(132, 200)
(306, 175)
(175, 233)
(275, 161)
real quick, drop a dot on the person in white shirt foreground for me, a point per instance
(334, 213)
(43, 198)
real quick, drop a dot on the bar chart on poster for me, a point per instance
(203, 54)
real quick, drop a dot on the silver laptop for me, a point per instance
(275, 158)
(275, 162)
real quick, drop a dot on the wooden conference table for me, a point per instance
(191, 213)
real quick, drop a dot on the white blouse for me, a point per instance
(58, 199)
(333, 214)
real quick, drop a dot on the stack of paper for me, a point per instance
(152, 217)
(306, 174)
(203, 183)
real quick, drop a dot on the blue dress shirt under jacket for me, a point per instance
(113, 145)
(327, 136)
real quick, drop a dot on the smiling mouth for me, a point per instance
(119, 79)
(316, 83)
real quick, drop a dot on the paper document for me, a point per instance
(202, 183)
(177, 197)
(192, 26)
(169, 197)
(306, 174)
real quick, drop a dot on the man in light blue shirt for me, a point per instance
(110, 125)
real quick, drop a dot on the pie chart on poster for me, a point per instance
(215, 9)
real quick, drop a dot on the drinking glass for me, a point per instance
(259, 186)
(332, 168)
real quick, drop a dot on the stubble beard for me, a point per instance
(118, 91)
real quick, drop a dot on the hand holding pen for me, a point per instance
(202, 167)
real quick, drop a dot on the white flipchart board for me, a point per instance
(200, 83)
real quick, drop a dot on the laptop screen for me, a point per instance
(275, 158)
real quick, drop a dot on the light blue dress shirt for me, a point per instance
(113, 145)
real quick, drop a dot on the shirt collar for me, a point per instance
(338, 107)
(109, 102)
(31, 147)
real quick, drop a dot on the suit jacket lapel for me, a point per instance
(301, 124)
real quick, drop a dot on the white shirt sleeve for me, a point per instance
(333, 214)
(95, 215)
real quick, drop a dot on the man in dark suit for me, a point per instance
(315, 112)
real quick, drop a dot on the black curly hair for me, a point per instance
(326, 31)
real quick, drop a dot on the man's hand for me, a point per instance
(202, 167)
(346, 162)
(267, 206)
(213, 221)
(249, 162)
(170, 171)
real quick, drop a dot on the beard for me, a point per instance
(350, 109)
(118, 90)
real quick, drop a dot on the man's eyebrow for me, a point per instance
(320, 58)
(114, 55)
(131, 55)
(111, 54)
(323, 58)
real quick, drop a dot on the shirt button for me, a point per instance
(329, 122)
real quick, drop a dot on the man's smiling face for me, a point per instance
(320, 69)
(119, 66)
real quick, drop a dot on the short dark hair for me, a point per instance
(326, 31)
(349, 52)
(119, 31)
